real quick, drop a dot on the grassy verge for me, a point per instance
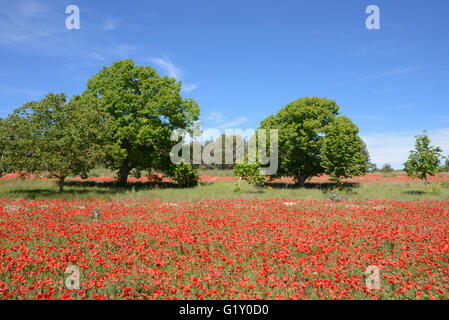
(47, 189)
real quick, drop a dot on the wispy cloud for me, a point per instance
(220, 121)
(233, 123)
(121, 51)
(166, 65)
(25, 22)
(215, 116)
(367, 117)
(189, 87)
(405, 106)
(172, 71)
(110, 24)
(26, 92)
(390, 73)
(394, 147)
(442, 119)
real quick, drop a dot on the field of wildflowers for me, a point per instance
(223, 249)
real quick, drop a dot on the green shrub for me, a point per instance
(250, 173)
(434, 189)
(136, 173)
(185, 175)
(444, 184)
(333, 195)
(387, 168)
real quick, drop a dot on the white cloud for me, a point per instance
(394, 148)
(233, 123)
(220, 121)
(189, 87)
(25, 22)
(31, 8)
(171, 70)
(110, 24)
(27, 92)
(215, 116)
(405, 107)
(121, 51)
(390, 73)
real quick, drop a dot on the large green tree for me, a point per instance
(301, 127)
(145, 109)
(424, 160)
(53, 136)
(342, 151)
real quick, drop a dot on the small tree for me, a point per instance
(423, 160)
(53, 136)
(341, 152)
(249, 172)
(185, 175)
(387, 168)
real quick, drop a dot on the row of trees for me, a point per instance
(126, 115)
(123, 120)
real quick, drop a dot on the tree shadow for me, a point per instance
(414, 192)
(84, 187)
(48, 193)
(312, 185)
(116, 186)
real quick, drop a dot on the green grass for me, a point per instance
(47, 189)
(216, 172)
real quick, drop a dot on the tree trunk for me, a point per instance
(426, 181)
(61, 184)
(124, 171)
(301, 180)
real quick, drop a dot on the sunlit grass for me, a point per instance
(48, 189)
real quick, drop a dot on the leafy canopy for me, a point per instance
(50, 135)
(250, 172)
(342, 150)
(424, 159)
(301, 126)
(145, 108)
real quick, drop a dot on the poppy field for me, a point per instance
(224, 249)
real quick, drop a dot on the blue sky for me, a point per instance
(244, 60)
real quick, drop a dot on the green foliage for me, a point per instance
(250, 173)
(341, 151)
(53, 136)
(434, 189)
(184, 175)
(301, 126)
(444, 184)
(445, 167)
(145, 109)
(333, 195)
(370, 167)
(236, 187)
(3, 164)
(387, 170)
(424, 160)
